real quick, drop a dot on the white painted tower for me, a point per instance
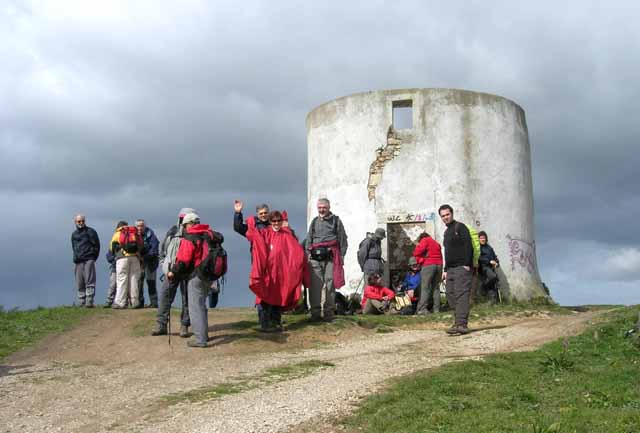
(390, 158)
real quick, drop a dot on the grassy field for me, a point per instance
(586, 384)
(22, 328)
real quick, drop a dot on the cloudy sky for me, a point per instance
(134, 109)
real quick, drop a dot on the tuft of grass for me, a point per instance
(270, 375)
(587, 383)
(23, 328)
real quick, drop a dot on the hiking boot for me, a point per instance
(453, 330)
(458, 330)
(328, 319)
(89, 306)
(194, 343)
(184, 331)
(107, 305)
(137, 306)
(117, 307)
(159, 330)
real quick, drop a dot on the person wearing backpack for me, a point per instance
(150, 263)
(126, 245)
(195, 262)
(168, 252)
(327, 246)
(458, 269)
(86, 249)
(370, 253)
(428, 254)
(113, 280)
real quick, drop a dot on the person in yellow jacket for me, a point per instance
(126, 245)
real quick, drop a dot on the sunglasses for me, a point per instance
(276, 221)
(80, 221)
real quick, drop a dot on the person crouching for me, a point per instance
(190, 255)
(377, 298)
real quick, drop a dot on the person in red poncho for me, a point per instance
(376, 298)
(277, 268)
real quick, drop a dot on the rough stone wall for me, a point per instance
(383, 155)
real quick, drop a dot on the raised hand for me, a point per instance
(237, 206)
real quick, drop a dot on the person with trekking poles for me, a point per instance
(85, 245)
(168, 251)
(197, 262)
(458, 269)
(326, 245)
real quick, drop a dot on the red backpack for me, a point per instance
(130, 240)
(214, 257)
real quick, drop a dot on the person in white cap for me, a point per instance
(191, 264)
(168, 251)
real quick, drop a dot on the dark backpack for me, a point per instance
(214, 256)
(130, 240)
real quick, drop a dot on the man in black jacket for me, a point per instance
(269, 316)
(487, 263)
(458, 268)
(86, 249)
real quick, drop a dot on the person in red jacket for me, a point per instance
(190, 254)
(376, 298)
(428, 254)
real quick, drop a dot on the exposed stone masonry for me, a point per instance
(384, 154)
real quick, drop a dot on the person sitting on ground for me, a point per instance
(411, 285)
(370, 253)
(376, 298)
(192, 252)
(488, 262)
(113, 282)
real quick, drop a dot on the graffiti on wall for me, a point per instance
(410, 217)
(522, 253)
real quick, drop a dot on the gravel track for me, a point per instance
(99, 378)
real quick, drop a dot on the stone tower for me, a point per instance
(390, 158)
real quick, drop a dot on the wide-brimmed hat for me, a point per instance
(380, 233)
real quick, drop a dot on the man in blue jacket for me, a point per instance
(150, 263)
(86, 249)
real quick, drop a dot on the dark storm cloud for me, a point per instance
(123, 110)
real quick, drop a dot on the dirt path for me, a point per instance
(101, 377)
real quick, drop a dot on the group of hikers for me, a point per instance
(191, 258)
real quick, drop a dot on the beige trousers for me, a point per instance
(128, 272)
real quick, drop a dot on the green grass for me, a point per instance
(270, 375)
(585, 384)
(22, 328)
